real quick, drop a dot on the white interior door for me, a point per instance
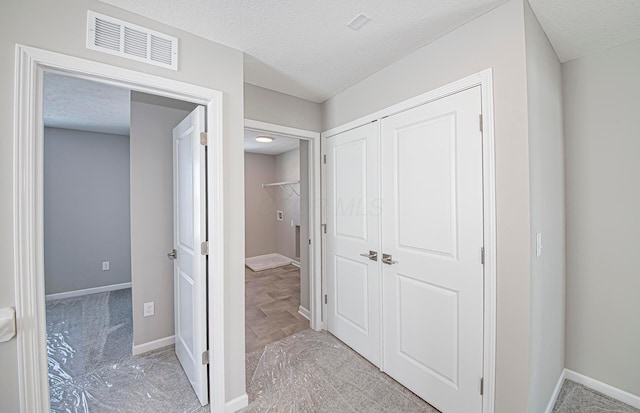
(189, 230)
(353, 214)
(433, 228)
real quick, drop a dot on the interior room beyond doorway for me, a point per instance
(276, 234)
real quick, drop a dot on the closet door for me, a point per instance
(433, 233)
(353, 221)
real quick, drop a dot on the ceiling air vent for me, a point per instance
(120, 38)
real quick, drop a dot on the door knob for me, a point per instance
(173, 254)
(388, 259)
(372, 255)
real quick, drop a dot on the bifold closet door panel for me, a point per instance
(353, 230)
(432, 227)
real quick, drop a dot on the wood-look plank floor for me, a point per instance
(272, 299)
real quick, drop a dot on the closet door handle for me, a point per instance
(372, 255)
(388, 259)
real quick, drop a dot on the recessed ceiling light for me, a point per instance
(360, 20)
(264, 139)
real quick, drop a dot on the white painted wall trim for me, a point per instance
(315, 211)
(153, 345)
(304, 312)
(87, 291)
(260, 126)
(604, 388)
(556, 393)
(483, 79)
(236, 404)
(28, 240)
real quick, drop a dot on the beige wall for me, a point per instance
(495, 40)
(60, 26)
(601, 109)
(546, 171)
(260, 207)
(152, 217)
(287, 169)
(274, 107)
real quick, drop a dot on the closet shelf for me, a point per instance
(284, 184)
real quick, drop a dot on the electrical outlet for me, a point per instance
(149, 309)
(292, 224)
(105, 265)
(279, 215)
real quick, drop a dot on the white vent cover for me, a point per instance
(120, 38)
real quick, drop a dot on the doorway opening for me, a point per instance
(277, 240)
(108, 225)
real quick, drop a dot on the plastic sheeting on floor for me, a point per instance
(91, 368)
(314, 372)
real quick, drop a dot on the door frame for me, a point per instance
(484, 79)
(315, 218)
(28, 240)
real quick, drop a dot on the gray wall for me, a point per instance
(546, 171)
(495, 40)
(61, 27)
(601, 110)
(260, 207)
(304, 225)
(86, 210)
(287, 169)
(152, 215)
(274, 107)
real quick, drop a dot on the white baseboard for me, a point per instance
(295, 263)
(87, 291)
(556, 393)
(236, 404)
(304, 312)
(621, 395)
(153, 345)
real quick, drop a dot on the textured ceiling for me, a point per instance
(72, 103)
(281, 144)
(577, 28)
(303, 47)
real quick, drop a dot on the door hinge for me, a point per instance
(205, 357)
(309, 242)
(204, 248)
(481, 386)
(324, 158)
(481, 124)
(482, 255)
(324, 228)
(203, 138)
(326, 299)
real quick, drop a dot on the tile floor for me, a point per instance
(272, 299)
(91, 368)
(313, 371)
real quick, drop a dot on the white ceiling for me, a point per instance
(577, 28)
(303, 47)
(281, 144)
(72, 103)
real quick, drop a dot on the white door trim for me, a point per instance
(28, 209)
(483, 79)
(315, 255)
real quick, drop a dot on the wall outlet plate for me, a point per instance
(279, 215)
(105, 265)
(149, 309)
